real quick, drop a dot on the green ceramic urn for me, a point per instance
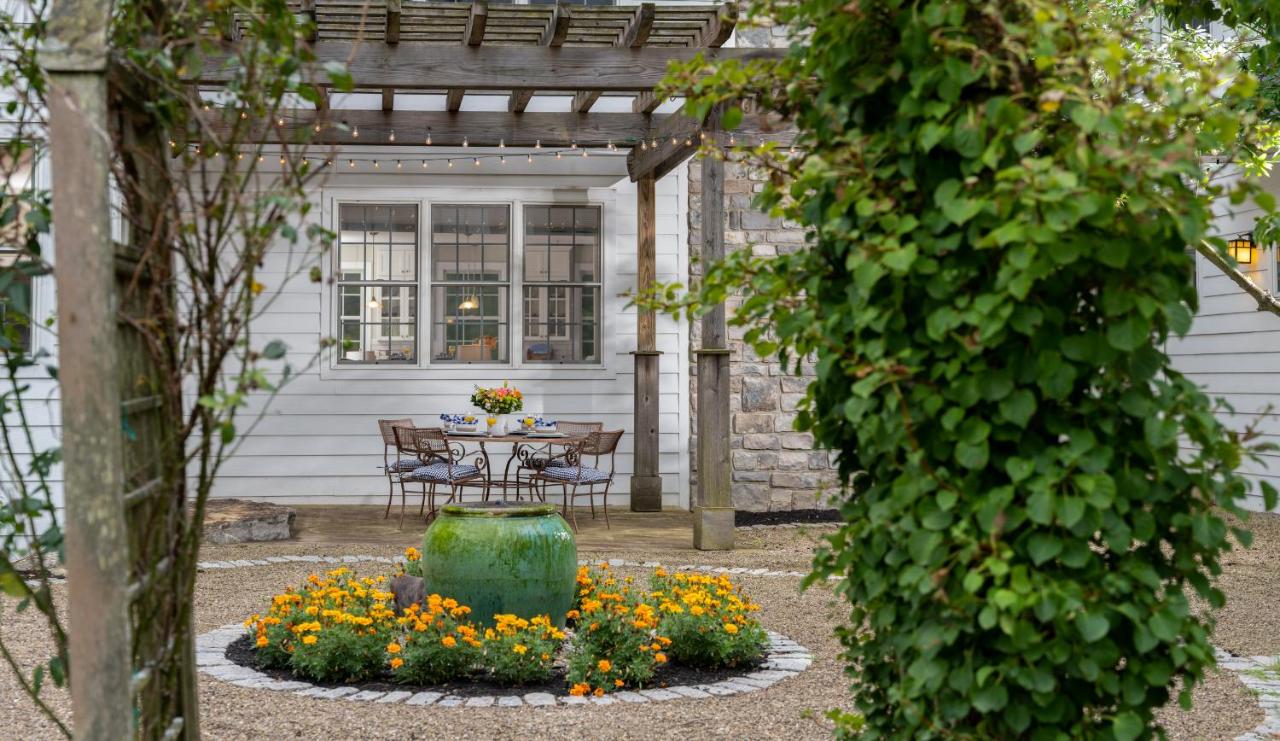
(502, 557)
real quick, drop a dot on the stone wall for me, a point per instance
(774, 466)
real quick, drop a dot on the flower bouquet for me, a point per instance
(498, 400)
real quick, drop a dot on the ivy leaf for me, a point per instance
(1018, 407)
(1128, 334)
(1042, 547)
(971, 455)
(1127, 726)
(1092, 626)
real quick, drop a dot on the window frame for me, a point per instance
(427, 251)
(335, 266)
(567, 287)
(445, 190)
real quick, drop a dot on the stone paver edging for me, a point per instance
(1261, 675)
(784, 657)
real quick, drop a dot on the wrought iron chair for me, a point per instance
(392, 468)
(577, 474)
(537, 459)
(441, 464)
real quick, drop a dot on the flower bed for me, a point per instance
(337, 628)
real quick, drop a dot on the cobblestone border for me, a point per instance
(1261, 675)
(784, 658)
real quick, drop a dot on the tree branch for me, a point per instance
(1266, 300)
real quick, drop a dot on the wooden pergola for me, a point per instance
(399, 48)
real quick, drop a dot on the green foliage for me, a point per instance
(341, 653)
(438, 645)
(519, 651)
(999, 195)
(614, 645)
(708, 620)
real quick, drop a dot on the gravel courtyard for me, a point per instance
(792, 709)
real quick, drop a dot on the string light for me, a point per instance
(316, 128)
(244, 115)
(573, 145)
(688, 142)
(428, 137)
(529, 159)
(351, 163)
(355, 132)
(653, 144)
(557, 155)
(392, 136)
(328, 163)
(240, 156)
(424, 164)
(502, 144)
(644, 145)
(584, 154)
(282, 159)
(206, 105)
(450, 164)
(399, 166)
(502, 160)
(475, 161)
(732, 142)
(280, 121)
(377, 165)
(537, 144)
(465, 143)
(674, 141)
(261, 158)
(611, 147)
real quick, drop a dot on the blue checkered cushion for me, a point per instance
(404, 464)
(570, 474)
(439, 472)
(558, 462)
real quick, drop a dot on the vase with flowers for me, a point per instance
(497, 401)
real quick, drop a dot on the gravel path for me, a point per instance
(792, 709)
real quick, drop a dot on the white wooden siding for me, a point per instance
(318, 440)
(1233, 350)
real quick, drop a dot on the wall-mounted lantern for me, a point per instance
(1242, 248)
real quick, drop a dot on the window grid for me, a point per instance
(377, 283)
(562, 284)
(470, 283)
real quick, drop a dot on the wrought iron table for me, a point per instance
(527, 451)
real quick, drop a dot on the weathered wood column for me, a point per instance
(97, 546)
(646, 484)
(713, 507)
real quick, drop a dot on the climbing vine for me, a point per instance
(999, 197)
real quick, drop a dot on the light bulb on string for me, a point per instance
(328, 163)
(261, 158)
(674, 141)
(280, 121)
(377, 165)
(243, 115)
(644, 145)
(392, 136)
(316, 127)
(206, 105)
(653, 144)
(537, 144)
(584, 154)
(428, 137)
(466, 142)
(732, 142)
(351, 163)
(399, 166)
(573, 145)
(424, 164)
(611, 147)
(240, 156)
(282, 159)
(557, 155)
(475, 161)
(502, 144)
(688, 142)
(355, 132)
(502, 160)
(450, 164)
(529, 158)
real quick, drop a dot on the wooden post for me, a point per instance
(646, 484)
(713, 508)
(97, 546)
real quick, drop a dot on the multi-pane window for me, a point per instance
(470, 283)
(561, 288)
(19, 180)
(378, 283)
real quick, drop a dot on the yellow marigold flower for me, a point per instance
(579, 689)
(262, 641)
(449, 641)
(660, 572)
(520, 648)
(489, 634)
(546, 657)
(412, 554)
(604, 665)
(696, 610)
(310, 640)
(573, 614)
(730, 628)
(661, 658)
(450, 603)
(396, 663)
(664, 640)
(393, 648)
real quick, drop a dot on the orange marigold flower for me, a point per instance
(262, 641)
(618, 683)
(310, 640)
(579, 689)
(397, 662)
(393, 648)
(520, 648)
(661, 658)
(573, 614)
(604, 665)
(730, 628)
(599, 692)
(449, 641)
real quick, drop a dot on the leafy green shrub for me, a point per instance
(437, 645)
(615, 644)
(707, 620)
(999, 198)
(519, 651)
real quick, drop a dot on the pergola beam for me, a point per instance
(472, 36)
(678, 137)
(646, 102)
(489, 128)
(633, 36)
(393, 22)
(553, 36)
(419, 66)
(721, 27)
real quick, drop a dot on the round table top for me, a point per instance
(512, 438)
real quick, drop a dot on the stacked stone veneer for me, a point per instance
(774, 467)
